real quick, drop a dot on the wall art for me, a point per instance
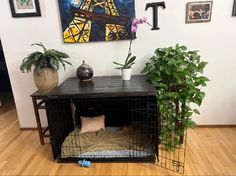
(197, 12)
(25, 8)
(234, 9)
(96, 20)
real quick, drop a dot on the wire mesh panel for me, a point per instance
(172, 140)
(60, 122)
(130, 133)
(144, 117)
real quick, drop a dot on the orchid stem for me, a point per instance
(130, 44)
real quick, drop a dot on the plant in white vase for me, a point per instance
(129, 61)
(126, 67)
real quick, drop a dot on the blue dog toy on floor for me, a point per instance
(85, 163)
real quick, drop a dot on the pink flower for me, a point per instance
(136, 22)
(144, 20)
(134, 27)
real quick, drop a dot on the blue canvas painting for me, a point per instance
(96, 20)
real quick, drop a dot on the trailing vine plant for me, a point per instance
(177, 75)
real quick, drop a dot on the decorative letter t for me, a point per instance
(155, 6)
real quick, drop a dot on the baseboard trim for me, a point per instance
(217, 126)
(30, 129)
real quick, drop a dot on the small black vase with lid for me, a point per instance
(85, 72)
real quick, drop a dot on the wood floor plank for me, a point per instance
(210, 151)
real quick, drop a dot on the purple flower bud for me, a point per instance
(135, 22)
(141, 21)
(144, 20)
(134, 28)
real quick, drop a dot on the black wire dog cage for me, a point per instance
(130, 134)
(132, 129)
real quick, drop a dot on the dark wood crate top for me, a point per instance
(104, 86)
(40, 94)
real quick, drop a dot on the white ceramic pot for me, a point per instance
(126, 74)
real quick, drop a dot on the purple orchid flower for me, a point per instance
(134, 28)
(136, 22)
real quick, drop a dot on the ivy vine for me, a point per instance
(178, 77)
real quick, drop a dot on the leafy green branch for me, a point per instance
(129, 61)
(177, 75)
(47, 58)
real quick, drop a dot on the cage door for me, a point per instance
(172, 136)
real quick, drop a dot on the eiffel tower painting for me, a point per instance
(96, 20)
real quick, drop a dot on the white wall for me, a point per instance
(216, 41)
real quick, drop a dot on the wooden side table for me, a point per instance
(38, 99)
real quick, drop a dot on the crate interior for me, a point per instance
(129, 135)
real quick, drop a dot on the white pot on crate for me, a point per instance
(126, 74)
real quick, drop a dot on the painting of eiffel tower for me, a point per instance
(96, 20)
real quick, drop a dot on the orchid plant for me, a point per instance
(129, 61)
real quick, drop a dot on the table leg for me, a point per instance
(36, 111)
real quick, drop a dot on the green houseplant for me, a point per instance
(177, 75)
(126, 67)
(45, 64)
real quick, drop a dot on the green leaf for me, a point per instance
(191, 124)
(162, 85)
(189, 114)
(159, 53)
(171, 94)
(196, 111)
(184, 48)
(203, 78)
(118, 64)
(126, 60)
(167, 71)
(128, 63)
(131, 60)
(39, 44)
(172, 62)
(201, 66)
(197, 101)
(201, 95)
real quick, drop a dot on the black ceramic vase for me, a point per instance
(85, 72)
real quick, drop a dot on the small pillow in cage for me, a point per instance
(92, 124)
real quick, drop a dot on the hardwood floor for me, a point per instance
(210, 151)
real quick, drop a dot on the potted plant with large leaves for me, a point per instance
(126, 67)
(45, 64)
(177, 75)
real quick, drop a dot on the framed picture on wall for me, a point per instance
(197, 12)
(96, 20)
(234, 9)
(25, 8)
